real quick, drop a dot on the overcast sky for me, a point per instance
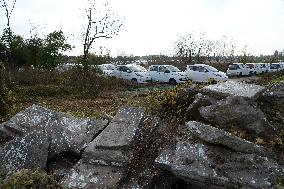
(151, 26)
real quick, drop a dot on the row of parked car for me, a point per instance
(164, 73)
(240, 69)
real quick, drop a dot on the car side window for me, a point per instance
(154, 68)
(200, 69)
(192, 68)
(120, 68)
(127, 70)
(162, 69)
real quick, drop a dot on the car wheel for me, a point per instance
(212, 81)
(134, 80)
(172, 81)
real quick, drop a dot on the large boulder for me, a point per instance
(235, 113)
(192, 112)
(204, 161)
(231, 88)
(105, 159)
(66, 133)
(28, 152)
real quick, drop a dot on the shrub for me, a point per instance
(6, 98)
(170, 104)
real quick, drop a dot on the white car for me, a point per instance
(254, 68)
(264, 67)
(237, 69)
(68, 66)
(204, 73)
(274, 67)
(107, 69)
(167, 74)
(132, 72)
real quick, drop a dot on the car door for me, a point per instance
(191, 72)
(202, 74)
(164, 74)
(153, 72)
(123, 74)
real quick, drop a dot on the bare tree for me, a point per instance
(8, 6)
(98, 27)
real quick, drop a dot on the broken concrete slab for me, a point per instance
(105, 159)
(89, 176)
(66, 132)
(28, 152)
(217, 136)
(122, 130)
(113, 145)
(213, 165)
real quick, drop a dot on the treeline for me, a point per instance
(17, 51)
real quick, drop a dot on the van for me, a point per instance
(205, 73)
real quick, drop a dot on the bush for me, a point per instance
(6, 98)
(28, 179)
(170, 104)
(71, 83)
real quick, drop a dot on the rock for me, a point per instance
(237, 114)
(271, 102)
(28, 152)
(113, 145)
(220, 137)
(89, 176)
(202, 164)
(231, 88)
(105, 160)
(192, 112)
(66, 132)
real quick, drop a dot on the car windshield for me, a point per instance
(212, 69)
(136, 69)
(173, 69)
(250, 66)
(233, 67)
(274, 66)
(110, 67)
(141, 67)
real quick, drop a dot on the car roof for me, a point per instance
(199, 65)
(161, 65)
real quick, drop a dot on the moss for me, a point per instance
(28, 179)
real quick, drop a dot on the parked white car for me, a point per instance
(264, 67)
(68, 66)
(167, 73)
(132, 72)
(204, 73)
(274, 67)
(254, 68)
(107, 69)
(237, 69)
